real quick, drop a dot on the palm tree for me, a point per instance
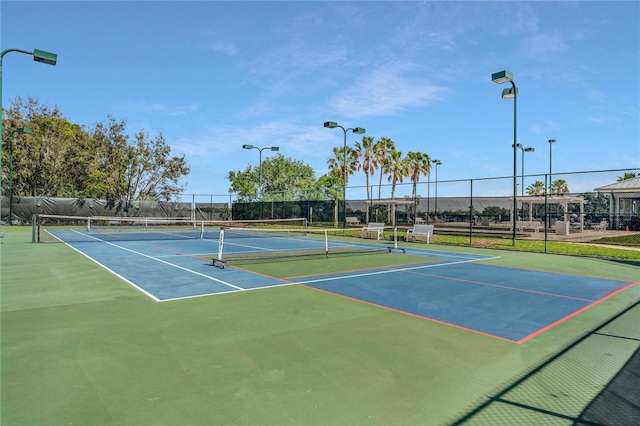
(536, 188)
(418, 164)
(367, 165)
(626, 176)
(559, 187)
(381, 150)
(397, 168)
(336, 163)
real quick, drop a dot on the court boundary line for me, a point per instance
(389, 270)
(161, 261)
(422, 317)
(131, 283)
(505, 287)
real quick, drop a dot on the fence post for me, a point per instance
(471, 212)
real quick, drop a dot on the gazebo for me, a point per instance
(563, 200)
(624, 197)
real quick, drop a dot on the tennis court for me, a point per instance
(363, 335)
(451, 288)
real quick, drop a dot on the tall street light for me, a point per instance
(38, 56)
(523, 149)
(437, 163)
(551, 142)
(271, 148)
(358, 131)
(18, 130)
(507, 77)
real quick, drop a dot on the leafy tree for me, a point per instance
(61, 158)
(281, 178)
(151, 173)
(330, 186)
(495, 212)
(244, 184)
(280, 173)
(381, 150)
(51, 160)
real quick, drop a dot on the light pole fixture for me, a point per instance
(18, 130)
(437, 163)
(358, 131)
(551, 142)
(507, 77)
(271, 148)
(523, 149)
(38, 56)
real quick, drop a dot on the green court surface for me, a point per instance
(81, 346)
(290, 268)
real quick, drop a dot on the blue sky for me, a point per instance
(212, 76)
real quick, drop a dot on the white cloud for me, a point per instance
(543, 46)
(386, 91)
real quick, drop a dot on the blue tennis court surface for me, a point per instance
(451, 288)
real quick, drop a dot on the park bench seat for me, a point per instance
(373, 228)
(528, 225)
(352, 220)
(420, 231)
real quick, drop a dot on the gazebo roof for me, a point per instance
(552, 199)
(627, 185)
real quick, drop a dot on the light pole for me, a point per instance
(271, 148)
(437, 163)
(358, 131)
(507, 77)
(18, 130)
(38, 56)
(551, 142)
(523, 149)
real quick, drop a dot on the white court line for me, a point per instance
(131, 283)
(170, 264)
(390, 271)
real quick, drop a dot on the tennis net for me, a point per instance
(247, 244)
(57, 228)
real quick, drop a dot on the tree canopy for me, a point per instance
(60, 158)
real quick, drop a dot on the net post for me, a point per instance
(326, 244)
(220, 249)
(395, 237)
(34, 228)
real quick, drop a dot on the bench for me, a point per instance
(373, 228)
(353, 220)
(418, 231)
(602, 226)
(528, 225)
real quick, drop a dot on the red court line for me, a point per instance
(500, 286)
(561, 320)
(408, 313)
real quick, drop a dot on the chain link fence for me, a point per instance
(578, 206)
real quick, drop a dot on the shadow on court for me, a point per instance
(594, 381)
